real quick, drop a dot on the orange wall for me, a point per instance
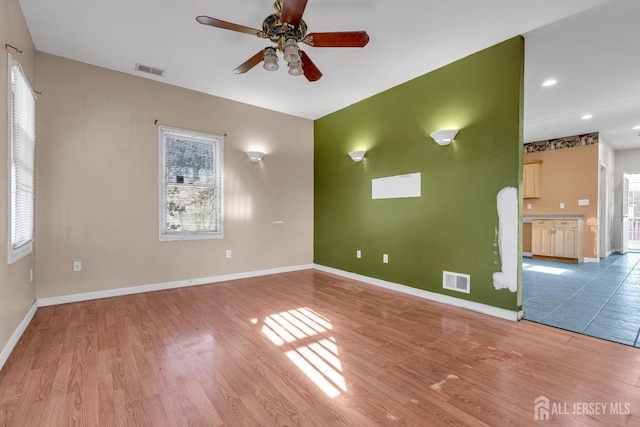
(568, 175)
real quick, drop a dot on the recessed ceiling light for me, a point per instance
(587, 117)
(549, 82)
(636, 127)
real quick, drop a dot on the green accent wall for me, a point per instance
(453, 226)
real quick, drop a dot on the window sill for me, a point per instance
(14, 255)
(189, 236)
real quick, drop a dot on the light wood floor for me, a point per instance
(303, 349)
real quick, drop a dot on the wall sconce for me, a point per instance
(357, 156)
(255, 156)
(444, 137)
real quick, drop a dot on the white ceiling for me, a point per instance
(594, 57)
(589, 53)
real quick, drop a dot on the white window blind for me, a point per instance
(191, 192)
(22, 137)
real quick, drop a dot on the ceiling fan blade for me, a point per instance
(218, 23)
(292, 11)
(249, 63)
(309, 69)
(338, 39)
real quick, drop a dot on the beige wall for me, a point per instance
(17, 294)
(568, 175)
(97, 182)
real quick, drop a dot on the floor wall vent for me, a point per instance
(456, 281)
(151, 70)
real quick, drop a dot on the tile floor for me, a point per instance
(601, 300)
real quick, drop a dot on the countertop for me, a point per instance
(532, 217)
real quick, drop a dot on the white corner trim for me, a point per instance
(441, 298)
(585, 259)
(15, 337)
(507, 239)
(87, 296)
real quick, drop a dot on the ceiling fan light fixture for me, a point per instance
(270, 59)
(290, 50)
(295, 68)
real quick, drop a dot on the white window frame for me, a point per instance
(218, 143)
(17, 250)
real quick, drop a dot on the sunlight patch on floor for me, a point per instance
(293, 325)
(318, 360)
(544, 269)
(321, 365)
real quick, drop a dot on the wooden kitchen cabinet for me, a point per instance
(566, 239)
(541, 237)
(532, 179)
(557, 238)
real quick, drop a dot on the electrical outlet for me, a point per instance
(358, 253)
(77, 266)
(385, 258)
(528, 205)
(561, 205)
(583, 202)
(228, 253)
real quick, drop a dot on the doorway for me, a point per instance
(631, 212)
(596, 299)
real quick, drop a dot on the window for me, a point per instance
(190, 184)
(22, 143)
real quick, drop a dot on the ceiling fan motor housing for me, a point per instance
(277, 31)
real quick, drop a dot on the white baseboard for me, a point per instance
(585, 259)
(15, 337)
(445, 299)
(87, 296)
(527, 254)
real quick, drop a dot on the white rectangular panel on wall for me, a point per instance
(396, 187)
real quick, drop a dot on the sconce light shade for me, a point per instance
(255, 156)
(357, 156)
(444, 137)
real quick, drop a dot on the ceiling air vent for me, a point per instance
(151, 70)
(456, 281)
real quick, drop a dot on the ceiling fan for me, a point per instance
(286, 28)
